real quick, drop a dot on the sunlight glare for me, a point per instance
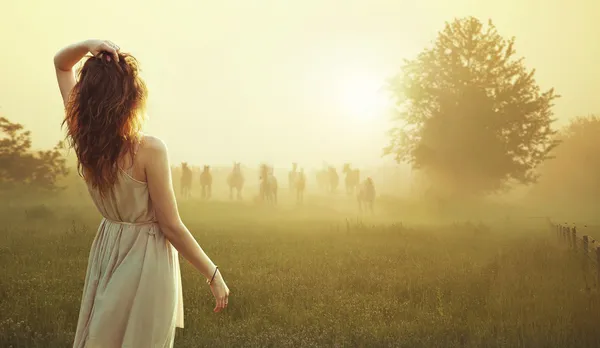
(363, 98)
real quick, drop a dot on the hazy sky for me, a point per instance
(278, 81)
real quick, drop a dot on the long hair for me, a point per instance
(104, 115)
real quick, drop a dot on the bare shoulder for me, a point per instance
(153, 151)
(152, 145)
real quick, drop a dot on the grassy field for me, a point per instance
(313, 277)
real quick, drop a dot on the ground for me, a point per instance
(311, 277)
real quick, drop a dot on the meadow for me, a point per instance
(312, 276)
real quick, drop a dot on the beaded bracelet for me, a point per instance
(213, 276)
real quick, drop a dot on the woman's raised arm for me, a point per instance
(67, 57)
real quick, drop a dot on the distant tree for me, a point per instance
(20, 165)
(470, 115)
(572, 176)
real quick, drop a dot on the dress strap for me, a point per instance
(136, 147)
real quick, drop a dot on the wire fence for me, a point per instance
(582, 244)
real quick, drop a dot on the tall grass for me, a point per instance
(306, 277)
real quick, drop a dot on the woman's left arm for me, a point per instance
(67, 57)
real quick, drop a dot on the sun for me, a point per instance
(362, 97)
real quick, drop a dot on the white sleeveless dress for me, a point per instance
(132, 295)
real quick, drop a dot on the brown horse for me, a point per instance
(300, 185)
(235, 180)
(323, 180)
(268, 185)
(328, 179)
(334, 179)
(292, 175)
(366, 194)
(186, 180)
(206, 183)
(352, 178)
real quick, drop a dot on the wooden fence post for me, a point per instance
(560, 233)
(586, 243)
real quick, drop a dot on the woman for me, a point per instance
(132, 294)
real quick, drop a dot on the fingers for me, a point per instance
(219, 306)
(113, 45)
(112, 49)
(221, 303)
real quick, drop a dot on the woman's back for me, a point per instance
(128, 200)
(132, 268)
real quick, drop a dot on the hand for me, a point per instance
(220, 291)
(98, 46)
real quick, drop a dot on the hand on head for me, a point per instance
(98, 47)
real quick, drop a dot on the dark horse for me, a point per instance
(235, 180)
(323, 179)
(300, 185)
(268, 185)
(328, 179)
(206, 182)
(366, 195)
(352, 178)
(186, 180)
(334, 179)
(292, 175)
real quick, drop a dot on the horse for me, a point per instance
(186, 180)
(334, 179)
(323, 180)
(328, 179)
(268, 185)
(300, 185)
(366, 194)
(292, 175)
(352, 178)
(235, 180)
(206, 183)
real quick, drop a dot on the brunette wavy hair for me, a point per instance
(104, 115)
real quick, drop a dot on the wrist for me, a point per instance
(86, 44)
(213, 276)
(218, 277)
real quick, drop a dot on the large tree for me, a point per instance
(470, 114)
(19, 165)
